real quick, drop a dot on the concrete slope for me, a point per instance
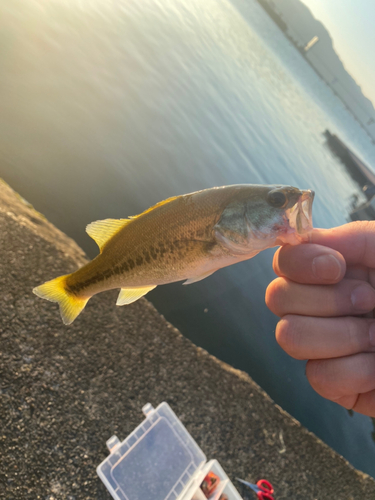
(66, 390)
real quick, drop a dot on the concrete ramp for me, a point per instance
(66, 390)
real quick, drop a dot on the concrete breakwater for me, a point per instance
(66, 390)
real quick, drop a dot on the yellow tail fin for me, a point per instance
(70, 305)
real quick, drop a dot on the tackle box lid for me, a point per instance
(157, 460)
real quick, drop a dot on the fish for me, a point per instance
(186, 237)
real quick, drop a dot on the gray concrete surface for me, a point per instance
(66, 390)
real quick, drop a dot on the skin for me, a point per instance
(325, 296)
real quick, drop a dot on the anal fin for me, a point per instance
(129, 295)
(198, 278)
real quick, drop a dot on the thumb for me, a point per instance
(355, 241)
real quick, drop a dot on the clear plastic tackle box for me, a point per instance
(159, 460)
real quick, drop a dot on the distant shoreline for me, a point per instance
(283, 26)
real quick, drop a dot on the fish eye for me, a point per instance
(277, 199)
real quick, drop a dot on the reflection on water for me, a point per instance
(109, 107)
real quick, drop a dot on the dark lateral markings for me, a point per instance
(153, 253)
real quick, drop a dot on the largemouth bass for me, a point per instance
(187, 237)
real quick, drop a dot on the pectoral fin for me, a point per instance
(198, 278)
(129, 295)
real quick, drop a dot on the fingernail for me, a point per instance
(326, 267)
(363, 298)
(372, 334)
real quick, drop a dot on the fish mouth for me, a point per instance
(300, 215)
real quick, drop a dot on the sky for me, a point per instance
(351, 24)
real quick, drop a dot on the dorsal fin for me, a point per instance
(103, 230)
(159, 204)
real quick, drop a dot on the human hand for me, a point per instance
(325, 296)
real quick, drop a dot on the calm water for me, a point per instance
(109, 107)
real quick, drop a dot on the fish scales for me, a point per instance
(159, 245)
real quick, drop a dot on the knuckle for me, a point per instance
(274, 294)
(366, 371)
(315, 375)
(289, 336)
(352, 334)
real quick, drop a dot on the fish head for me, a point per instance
(261, 217)
(299, 217)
